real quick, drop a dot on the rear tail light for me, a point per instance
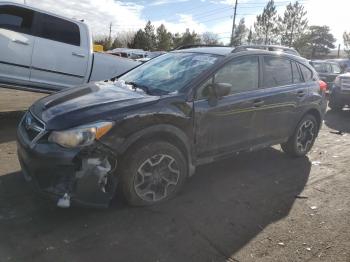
(323, 86)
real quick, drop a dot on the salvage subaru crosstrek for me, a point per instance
(144, 133)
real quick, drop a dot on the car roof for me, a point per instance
(225, 51)
(217, 50)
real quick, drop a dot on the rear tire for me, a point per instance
(301, 142)
(152, 173)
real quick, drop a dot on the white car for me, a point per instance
(43, 51)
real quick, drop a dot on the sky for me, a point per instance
(198, 15)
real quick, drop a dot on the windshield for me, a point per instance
(169, 72)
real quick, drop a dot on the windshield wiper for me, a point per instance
(136, 85)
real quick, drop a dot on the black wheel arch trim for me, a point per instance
(166, 132)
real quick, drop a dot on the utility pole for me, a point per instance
(110, 35)
(338, 50)
(234, 23)
(110, 31)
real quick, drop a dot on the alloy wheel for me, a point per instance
(305, 136)
(156, 178)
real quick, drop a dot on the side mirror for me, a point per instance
(222, 89)
(215, 91)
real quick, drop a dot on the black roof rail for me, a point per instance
(197, 45)
(267, 48)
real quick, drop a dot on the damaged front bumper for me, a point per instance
(79, 176)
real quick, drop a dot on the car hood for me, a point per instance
(89, 103)
(345, 75)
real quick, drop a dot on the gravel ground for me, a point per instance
(261, 206)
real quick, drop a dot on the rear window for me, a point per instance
(16, 18)
(277, 72)
(336, 69)
(322, 67)
(58, 29)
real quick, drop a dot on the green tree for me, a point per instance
(316, 42)
(151, 39)
(240, 33)
(293, 24)
(164, 38)
(250, 36)
(209, 38)
(177, 39)
(186, 38)
(116, 43)
(139, 41)
(189, 38)
(145, 39)
(265, 26)
(346, 39)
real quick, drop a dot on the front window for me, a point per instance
(170, 72)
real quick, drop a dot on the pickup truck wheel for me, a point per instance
(300, 143)
(152, 173)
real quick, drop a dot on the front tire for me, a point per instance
(152, 173)
(301, 142)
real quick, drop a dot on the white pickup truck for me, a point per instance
(41, 51)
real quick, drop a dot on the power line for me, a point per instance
(203, 15)
(198, 16)
(218, 18)
(276, 2)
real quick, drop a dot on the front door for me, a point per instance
(59, 57)
(227, 125)
(16, 43)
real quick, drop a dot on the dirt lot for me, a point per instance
(261, 206)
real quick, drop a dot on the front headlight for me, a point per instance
(80, 136)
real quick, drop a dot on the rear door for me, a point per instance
(16, 43)
(227, 125)
(282, 91)
(59, 58)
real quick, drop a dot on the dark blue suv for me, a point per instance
(145, 132)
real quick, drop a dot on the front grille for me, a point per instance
(345, 84)
(33, 127)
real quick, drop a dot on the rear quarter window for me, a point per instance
(297, 78)
(57, 29)
(307, 73)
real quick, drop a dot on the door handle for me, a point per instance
(258, 103)
(78, 54)
(20, 42)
